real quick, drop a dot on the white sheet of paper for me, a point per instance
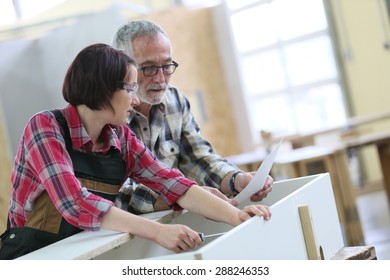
(258, 181)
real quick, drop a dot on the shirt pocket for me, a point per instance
(169, 152)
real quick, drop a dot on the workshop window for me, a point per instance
(287, 64)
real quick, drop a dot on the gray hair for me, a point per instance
(125, 35)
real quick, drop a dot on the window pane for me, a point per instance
(319, 107)
(310, 61)
(299, 17)
(266, 24)
(263, 72)
(274, 114)
(254, 28)
(309, 110)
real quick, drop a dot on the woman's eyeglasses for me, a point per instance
(130, 88)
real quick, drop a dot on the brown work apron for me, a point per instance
(101, 175)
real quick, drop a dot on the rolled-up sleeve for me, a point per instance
(149, 171)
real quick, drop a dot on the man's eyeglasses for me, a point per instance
(168, 69)
(130, 88)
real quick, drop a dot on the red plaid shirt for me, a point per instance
(43, 163)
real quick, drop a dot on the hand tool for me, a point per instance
(203, 236)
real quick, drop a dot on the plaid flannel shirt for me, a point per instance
(174, 137)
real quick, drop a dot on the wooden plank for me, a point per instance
(308, 232)
(356, 253)
(369, 187)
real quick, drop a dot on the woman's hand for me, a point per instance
(177, 238)
(254, 210)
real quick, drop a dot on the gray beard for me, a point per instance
(149, 100)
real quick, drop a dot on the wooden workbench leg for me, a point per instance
(342, 185)
(384, 157)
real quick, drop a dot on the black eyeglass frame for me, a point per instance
(163, 67)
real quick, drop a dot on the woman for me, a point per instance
(71, 163)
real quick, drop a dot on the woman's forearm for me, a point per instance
(122, 221)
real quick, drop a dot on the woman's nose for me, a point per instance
(135, 100)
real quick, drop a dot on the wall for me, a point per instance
(32, 71)
(247, 139)
(362, 28)
(200, 73)
(31, 75)
(361, 36)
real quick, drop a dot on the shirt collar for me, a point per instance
(79, 135)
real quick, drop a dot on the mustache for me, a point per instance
(157, 86)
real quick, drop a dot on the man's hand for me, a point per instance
(267, 188)
(243, 179)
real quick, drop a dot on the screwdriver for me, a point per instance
(203, 236)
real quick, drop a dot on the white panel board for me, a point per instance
(279, 238)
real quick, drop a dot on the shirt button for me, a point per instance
(172, 150)
(145, 129)
(78, 201)
(12, 236)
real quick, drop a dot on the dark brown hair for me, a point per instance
(93, 75)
